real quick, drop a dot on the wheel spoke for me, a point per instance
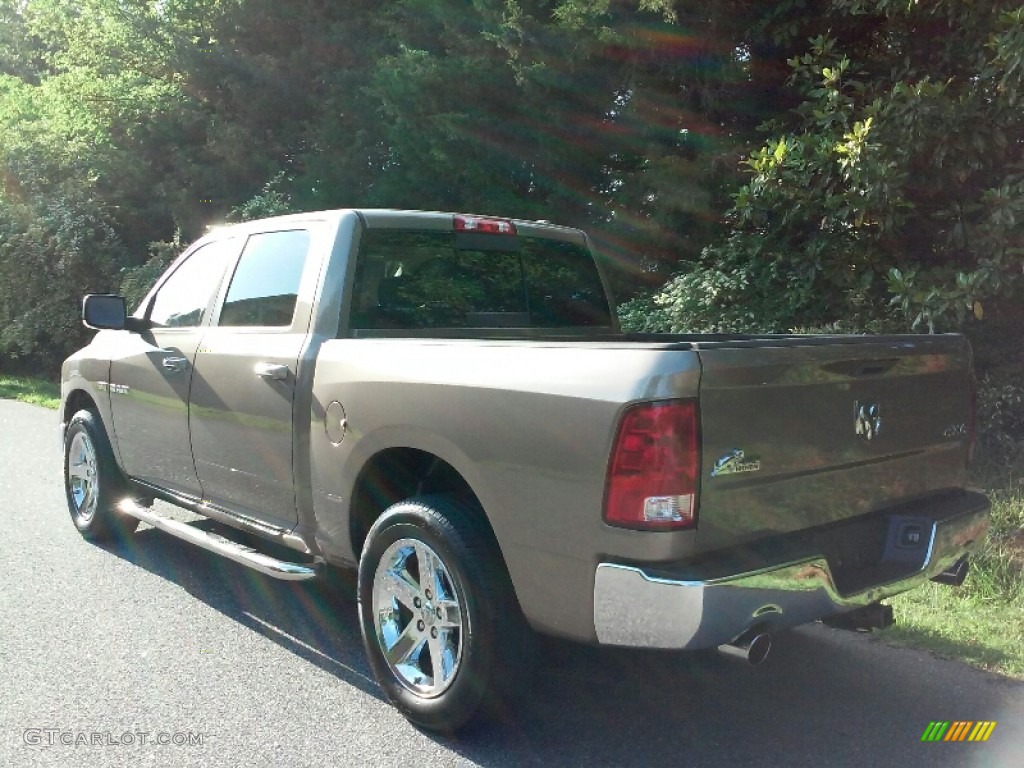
(408, 646)
(78, 470)
(450, 655)
(428, 569)
(399, 584)
(451, 614)
(437, 666)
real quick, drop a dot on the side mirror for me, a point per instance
(104, 311)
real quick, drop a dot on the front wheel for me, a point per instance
(438, 617)
(92, 482)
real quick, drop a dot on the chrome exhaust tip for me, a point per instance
(753, 647)
(954, 575)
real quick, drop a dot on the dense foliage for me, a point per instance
(893, 195)
(124, 123)
(882, 188)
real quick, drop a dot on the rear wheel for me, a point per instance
(440, 623)
(93, 483)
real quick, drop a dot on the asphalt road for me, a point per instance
(159, 640)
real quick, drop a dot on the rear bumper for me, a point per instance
(643, 607)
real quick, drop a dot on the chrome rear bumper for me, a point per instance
(634, 607)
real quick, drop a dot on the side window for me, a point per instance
(184, 296)
(265, 285)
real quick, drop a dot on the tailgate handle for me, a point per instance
(861, 367)
(272, 371)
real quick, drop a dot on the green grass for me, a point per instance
(982, 622)
(30, 389)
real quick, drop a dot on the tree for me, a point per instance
(626, 117)
(165, 116)
(621, 119)
(893, 196)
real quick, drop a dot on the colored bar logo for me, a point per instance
(959, 730)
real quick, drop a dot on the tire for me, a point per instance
(469, 620)
(93, 484)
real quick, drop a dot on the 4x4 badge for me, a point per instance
(867, 420)
(734, 462)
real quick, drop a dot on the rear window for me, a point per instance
(411, 280)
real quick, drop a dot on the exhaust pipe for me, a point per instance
(864, 619)
(753, 647)
(954, 575)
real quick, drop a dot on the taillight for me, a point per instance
(653, 469)
(484, 226)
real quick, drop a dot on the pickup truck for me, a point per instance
(446, 404)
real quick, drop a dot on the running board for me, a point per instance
(212, 542)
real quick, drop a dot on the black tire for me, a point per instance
(483, 652)
(93, 483)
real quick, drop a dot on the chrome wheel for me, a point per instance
(83, 477)
(93, 484)
(418, 617)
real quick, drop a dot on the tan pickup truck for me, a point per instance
(445, 402)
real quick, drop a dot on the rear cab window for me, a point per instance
(416, 279)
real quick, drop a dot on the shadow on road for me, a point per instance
(823, 697)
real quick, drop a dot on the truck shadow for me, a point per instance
(316, 621)
(823, 697)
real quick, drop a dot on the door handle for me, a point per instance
(272, 371)
(175, 364)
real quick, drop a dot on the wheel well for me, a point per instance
(399, 473)
(77, 401)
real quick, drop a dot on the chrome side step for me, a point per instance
(221, 515)
(212, 542)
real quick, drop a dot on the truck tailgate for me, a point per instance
(802, 433)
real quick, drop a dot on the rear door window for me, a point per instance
(265, 286)
(419, 280)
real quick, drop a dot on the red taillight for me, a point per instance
(484, 226)
(652, 473)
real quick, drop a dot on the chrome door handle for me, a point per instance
(272, 371)
(175, 364)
